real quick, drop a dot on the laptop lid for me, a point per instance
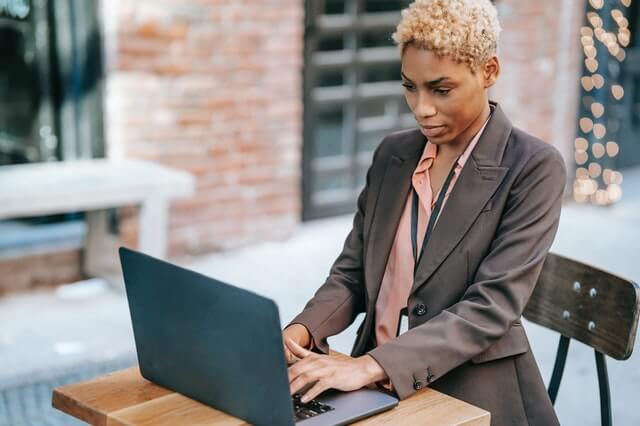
(218, 344)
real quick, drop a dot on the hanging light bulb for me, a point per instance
(597, 109)
(586, 124)
(617, 91)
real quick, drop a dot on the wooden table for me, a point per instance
(126, 398)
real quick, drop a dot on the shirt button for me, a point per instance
(420, 309)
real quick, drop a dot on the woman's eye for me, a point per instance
(442, 91)
(408, 86)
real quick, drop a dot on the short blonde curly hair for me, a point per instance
(465, 30)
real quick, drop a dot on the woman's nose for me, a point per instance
(425, 108)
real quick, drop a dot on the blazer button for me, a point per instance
(420, 309)
(417, 385)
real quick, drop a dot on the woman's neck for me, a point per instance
(456, 147)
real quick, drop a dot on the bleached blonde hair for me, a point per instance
(465, 30)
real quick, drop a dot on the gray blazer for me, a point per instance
(478, 271)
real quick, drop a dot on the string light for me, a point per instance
(614, 192)
(600, 197)
(581, 144)
(587, 83)
(586, 32)
(624, 36)
(597, 4)
(581, 157)
(597, 109)
(590, 51)
(617, 91)
(582, 173)
(592, 64)
(593, 182)
(586, 124)
(595, 170)
(599, 131)
(595, 20)
(598, 150)
(598, 81)
(617, 15)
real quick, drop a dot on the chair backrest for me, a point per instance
(584, 303)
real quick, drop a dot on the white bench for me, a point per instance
(93, 186)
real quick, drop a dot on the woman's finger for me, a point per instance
(303, 366)
(315, 390)
(288, 353)
(296, 349)
(304, 379)
(289, 356)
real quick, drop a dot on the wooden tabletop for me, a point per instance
(126, 398)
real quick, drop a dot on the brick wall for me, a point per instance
(40, 270)
(541, 56)
(214, 88)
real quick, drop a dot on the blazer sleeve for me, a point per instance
(502, 285)
(341, 298)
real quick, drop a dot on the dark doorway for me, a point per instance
(50, 81)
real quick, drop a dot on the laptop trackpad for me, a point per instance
(349, 407)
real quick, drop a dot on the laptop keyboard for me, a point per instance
(306, 410)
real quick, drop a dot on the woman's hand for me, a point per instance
(329, 372)
(300, 335)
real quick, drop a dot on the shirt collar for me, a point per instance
(467, 152)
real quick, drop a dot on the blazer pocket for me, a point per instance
(513, 343)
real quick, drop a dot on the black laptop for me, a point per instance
(222, 345)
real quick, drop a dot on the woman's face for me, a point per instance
(444, 93)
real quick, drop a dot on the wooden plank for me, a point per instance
(93, 400)
(126, 398)
(172, 410)
(430, 407)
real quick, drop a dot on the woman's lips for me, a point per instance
(433, 131)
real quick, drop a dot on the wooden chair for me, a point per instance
(590, 305)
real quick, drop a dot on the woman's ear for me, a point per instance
(491, 71)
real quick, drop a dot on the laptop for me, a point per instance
(222, 345)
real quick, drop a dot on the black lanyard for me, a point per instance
(432, 219)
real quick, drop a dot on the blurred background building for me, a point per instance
(275, 107)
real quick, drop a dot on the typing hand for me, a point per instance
(328, 372)
(300, 335)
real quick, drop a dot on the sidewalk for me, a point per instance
(50, 338)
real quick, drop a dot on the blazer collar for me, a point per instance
(492, 143)
(476, 184)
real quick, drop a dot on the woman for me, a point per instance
(452, 228)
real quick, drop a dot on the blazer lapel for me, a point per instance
(478, 181)
(388, 210)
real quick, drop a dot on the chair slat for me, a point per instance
(584, 303)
